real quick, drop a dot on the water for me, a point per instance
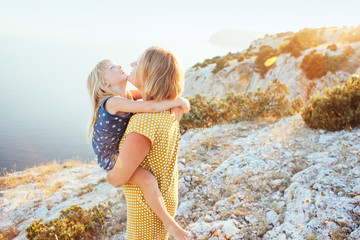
(44, 107)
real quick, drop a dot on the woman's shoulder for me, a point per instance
(151, 124)
(163, 116)
(154, 121)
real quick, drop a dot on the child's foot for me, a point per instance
(178, 233)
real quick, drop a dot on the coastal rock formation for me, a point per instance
(244, 180)
(242, 77)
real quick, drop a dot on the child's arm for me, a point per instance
(119, 104)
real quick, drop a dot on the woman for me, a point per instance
(151, 141)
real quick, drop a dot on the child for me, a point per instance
(112, 107)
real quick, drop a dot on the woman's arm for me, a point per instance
(119, 104)
(132, 153)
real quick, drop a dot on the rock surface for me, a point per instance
(237, 181)
(241, 77)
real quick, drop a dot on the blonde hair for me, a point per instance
(98, 91)
(161, 75)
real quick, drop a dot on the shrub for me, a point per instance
(337, 108)
(283, 34)
(316, 65)
(313, 65)
(271, 103)
(220, 64)
(265, 53)
(203, 113)
(9, 233)
(304, 39)
(241, 58)
(308, 38)
(289, 45)
(348, 50)
(204, 64)
(332, 47)
(295, 53)
(334, 63)
(73, 223)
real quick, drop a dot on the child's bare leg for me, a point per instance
(149, 185)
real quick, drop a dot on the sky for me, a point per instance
(184, 27)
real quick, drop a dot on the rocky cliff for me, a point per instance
(242, 77)
(248, 180)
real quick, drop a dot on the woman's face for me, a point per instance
(115, 74)
(135, 76)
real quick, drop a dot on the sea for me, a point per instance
(44, 104)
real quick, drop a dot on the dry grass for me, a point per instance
(54, 188)
(86, 189)
(37, 174)
(9, 233)
(340, 233)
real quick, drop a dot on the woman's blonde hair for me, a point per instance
(161, 75)
(97, 90)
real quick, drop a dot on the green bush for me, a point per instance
(295, 53)
(203, 113)
(313, 65)
(289, 45)
(332, 47)
(271, 103)
(308, 38)
(73, 223)
(283, 34)
(334, 63)
(336, 109)
(240, 58)
(9, 233)
(316, 65)
(265, 52)
(220, 64)
(348, 50)
(302, 40)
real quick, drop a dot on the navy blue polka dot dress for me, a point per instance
(107, 134)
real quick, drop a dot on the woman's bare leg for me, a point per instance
(149, 185)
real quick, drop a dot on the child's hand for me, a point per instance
(178, 112)
(185, 104)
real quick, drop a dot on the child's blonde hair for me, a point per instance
(161, 75)
(97, 90)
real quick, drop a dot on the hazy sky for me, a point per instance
(128, 27)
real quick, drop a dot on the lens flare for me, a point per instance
(270, 61)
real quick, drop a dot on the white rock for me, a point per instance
(355, 235)
(272, 217)
(184, 208)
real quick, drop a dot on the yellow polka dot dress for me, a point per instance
(163, 132)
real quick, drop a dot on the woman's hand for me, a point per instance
(178, 112)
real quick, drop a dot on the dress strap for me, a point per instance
(103, 103)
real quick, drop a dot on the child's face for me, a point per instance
(115, 74)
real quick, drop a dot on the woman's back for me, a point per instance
(163, 132)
